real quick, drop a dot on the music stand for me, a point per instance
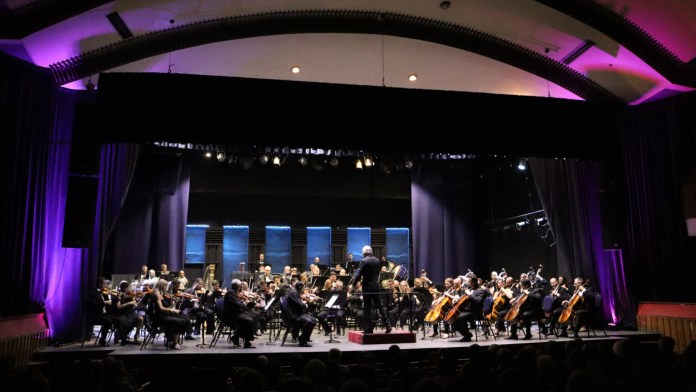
(270, 330)
(202, 301)
(318, 281)
(333, 299)
(351, 266)
(345, 280)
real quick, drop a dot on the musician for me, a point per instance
(582, 309)
(97, 310)
(151, 279)
(266, 277)
(204, 311)
(509, 294)
(557, 296)
(286, 275)
(369, 272)
(184, 305)
(530, 309)
(335, 310)
(298, 313)
(446, 287)
(183, 282)
(236, 314)
(165, 273)
(407, 304)
(349, 259)
(167, 315)
(125, 306)
(142, 276)
(473, 308)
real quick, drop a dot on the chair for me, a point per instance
(222, 323)
(287, 320)
(595, 320)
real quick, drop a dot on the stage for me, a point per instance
(225, 353)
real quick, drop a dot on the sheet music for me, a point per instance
(331, 300)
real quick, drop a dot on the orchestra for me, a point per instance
(501, 305)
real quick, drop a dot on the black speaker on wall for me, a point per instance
(80, 211)
(612, 205)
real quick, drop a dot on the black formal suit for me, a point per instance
(304, 321)
(369, 272)
(236, 313)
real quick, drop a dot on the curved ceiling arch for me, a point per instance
(330, 21)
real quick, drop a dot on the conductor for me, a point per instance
(369, 271)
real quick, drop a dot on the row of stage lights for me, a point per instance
(316, 162)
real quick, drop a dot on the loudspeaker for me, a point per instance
(80, 211)
(612, 206)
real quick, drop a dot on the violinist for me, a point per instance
(184, 303)
(142, 276)
(337, 311)
(167, 315)
(530, 308)
(97, 311)
(202, 311)
(559, 294)
(126, 309)
(236, 313)
(297, 310)
(408, 304)
(474, 307)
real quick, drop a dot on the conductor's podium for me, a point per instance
(394, 336)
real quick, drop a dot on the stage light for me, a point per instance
(295, 69)
(358, 164)
(541, 221)
(368, 162)
(221, 156)
(263, 159)
(408, 164)
(208, 154)
(333, 162)
(519, 225)
(412, 77)
(276, 161)
(522, 165)
(303, 161)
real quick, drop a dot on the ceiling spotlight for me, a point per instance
(408, 164)
(333, 162)
(541, 221)
(445, 5)
(522, 165)
(208, 154)
(303, 161)
(295, 69)
(520, 224)
(368, 162)
(221, 156)
(263, 159)
(412, 77)
(358, 164)
(276, 161)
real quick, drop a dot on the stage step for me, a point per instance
(360, 337)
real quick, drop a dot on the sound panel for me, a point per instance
(612, 207)
(319, 245)
(398, 245)
(235, 249)
(357, 238)
(195, 243)
(278, 246)
(80, 211)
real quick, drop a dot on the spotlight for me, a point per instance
(208, 154)
(263, 159)
(295, 69)
(303, 161)
(445, 5)
(358, 164)
(333, 162)
(519, 225)
(276, 161)
(412, 77)
(368, 162)
(408, 164)
(541, 221)
(221, 156)
(522, 165)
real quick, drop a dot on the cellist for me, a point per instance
(530, 308)
(474, 307)
(559, 294)
(581, 308)
(507, 292)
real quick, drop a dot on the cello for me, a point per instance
(519, 301)
(440, 308)
(499, 300)
(569, 307)
(453, 313)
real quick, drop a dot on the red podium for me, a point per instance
(395, 336)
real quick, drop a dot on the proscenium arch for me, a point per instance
(330, 21)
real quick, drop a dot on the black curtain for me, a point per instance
(444, 221)
(659, 149)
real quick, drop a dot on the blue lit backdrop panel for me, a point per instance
(235, 248)
(319, 244)
(357, 238)
(278, 246)
(195, 243)
(397, 245)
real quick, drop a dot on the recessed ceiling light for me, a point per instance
(295, 69)
(445, 5)
(412, 77)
